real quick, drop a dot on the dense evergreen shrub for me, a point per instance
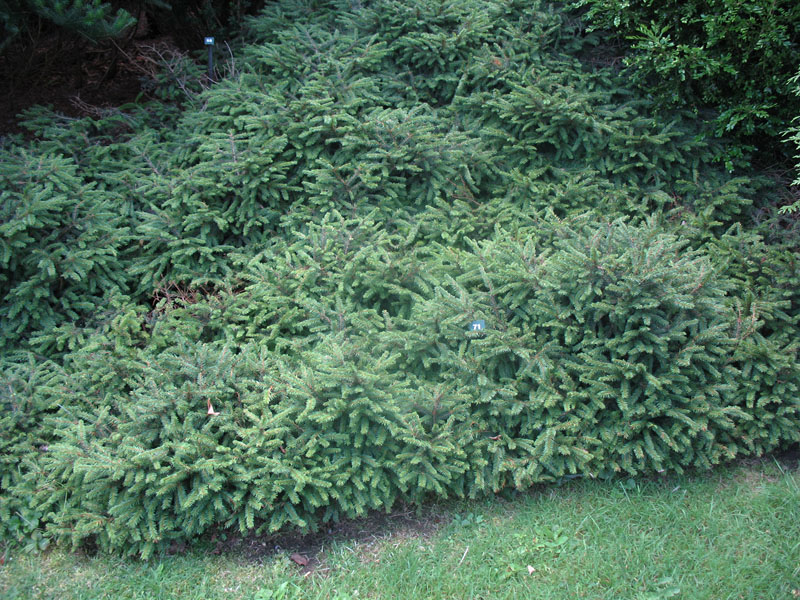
(606, 349)
(31, 391)
(60, 239)
(254, 312)
(764, 318)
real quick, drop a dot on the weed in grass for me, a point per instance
(285, 591)
(467, 519)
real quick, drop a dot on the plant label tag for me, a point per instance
(477, 325)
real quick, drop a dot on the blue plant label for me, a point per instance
(477, 325)
(209, 41)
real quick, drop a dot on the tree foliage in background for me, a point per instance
(96, 21)
(91, 19)
(254, 312)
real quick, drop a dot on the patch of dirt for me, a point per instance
(608, 55)
(789, 459)
(367, 536)
(753, 475)
(755, 471)
(75, 78)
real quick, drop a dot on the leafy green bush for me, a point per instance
(734, 57)
(794, 139)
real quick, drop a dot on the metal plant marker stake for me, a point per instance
(209, 41)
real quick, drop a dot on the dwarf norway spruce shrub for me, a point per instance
(607, 351)
(302, 248)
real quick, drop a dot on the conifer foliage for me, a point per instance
(255, 312)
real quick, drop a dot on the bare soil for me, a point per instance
(367, 534)
(76, 78)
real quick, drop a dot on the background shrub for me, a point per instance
(735, 58)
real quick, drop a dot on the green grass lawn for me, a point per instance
(732, 533)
